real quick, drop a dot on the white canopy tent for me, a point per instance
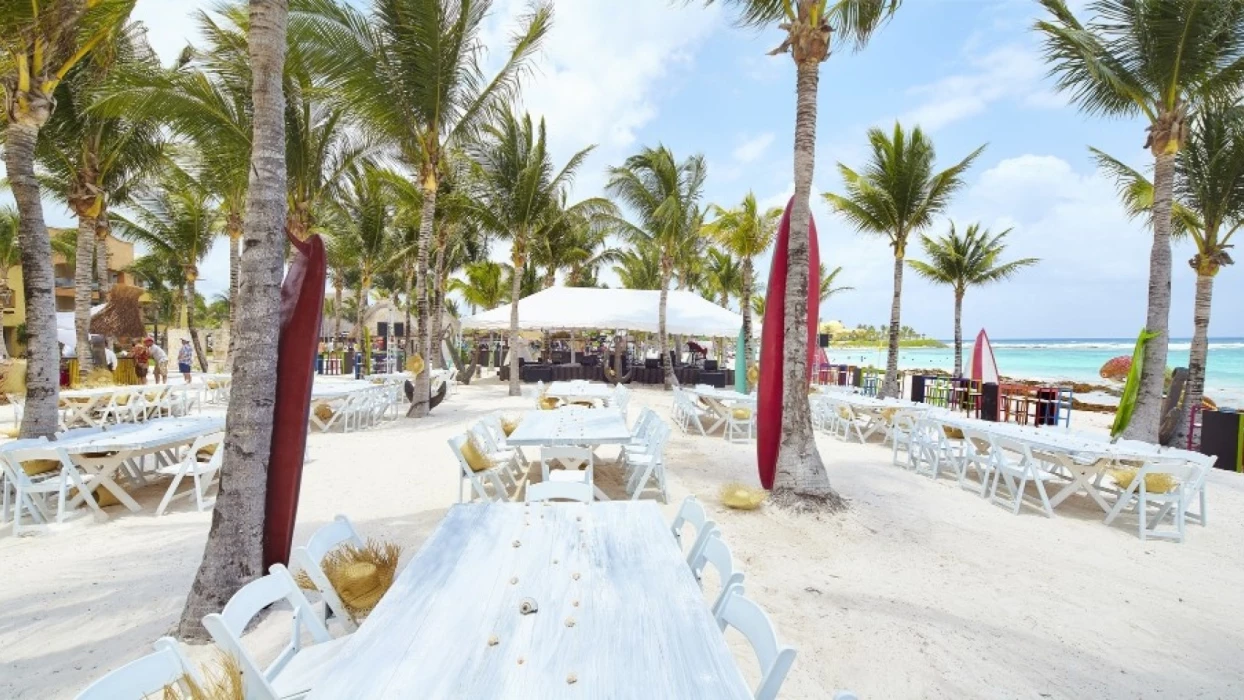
(572, 308)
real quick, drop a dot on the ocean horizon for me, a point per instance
(1068, 359)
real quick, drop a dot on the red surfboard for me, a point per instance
(302, 302)
(772, 341)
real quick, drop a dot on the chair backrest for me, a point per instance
(643, 423)
(580, 491)
(226, 626)
(310, 556)
(716, 552)
(692, 512)
(147, 676)
(34, 449)
(455, 445)
(775, 660)
(485, 437)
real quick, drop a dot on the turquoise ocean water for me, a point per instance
(1076, 359)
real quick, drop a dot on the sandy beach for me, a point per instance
(920, 590)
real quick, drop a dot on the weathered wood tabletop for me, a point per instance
(576, 390)
(571, 426)
(619, 614)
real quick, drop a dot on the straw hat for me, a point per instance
(742, 497)
(360, 575)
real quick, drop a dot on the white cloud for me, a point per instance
(1012, 72)
(753, 148)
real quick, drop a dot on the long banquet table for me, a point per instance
(617, 613)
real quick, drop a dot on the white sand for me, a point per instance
(921, 590)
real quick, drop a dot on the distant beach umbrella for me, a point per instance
(1116, 368)
(1127, 402)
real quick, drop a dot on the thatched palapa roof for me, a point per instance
(122, 316)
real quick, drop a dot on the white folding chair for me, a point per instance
(716, 552)
(979, 457)
(691, 512)
(648, 466)
(296, 668)
(147, 676)
(1015, 466)
(1187, 480)
(32, 493)
(308, 557)
(901, 434)
(744, 615)
(202, 472)
(564, 463)
(495, 475)
(560, 491)
(847, 422)
(495, 453)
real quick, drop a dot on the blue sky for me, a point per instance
(968, 72)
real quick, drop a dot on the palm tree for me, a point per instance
(828, 277)
(91, 159)
(414, 73)
(1208, 207)
(583, 248)
(483, 288)
(664, 196)
(522, 198)
(40, 44)
(725, 277)
(897, 194)
(176, 217)
(808, 27)
(746, 232)
(233, 555)
(971, 260)
(1157, 58)
(367, 212)
(639, 268)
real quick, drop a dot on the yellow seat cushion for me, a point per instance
(213, 385)
(548, 403)
(324, 412)
(741, 413)
(474, 456)
(509, 424)
(1154, 483)
(34, 467)
(844, 413)
(887, 414)
(952, 433)
(206, 452)
(102, 496)
(123, 400)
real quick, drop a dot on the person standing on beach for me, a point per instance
(184, 356)
(161, 360)
(140, 355)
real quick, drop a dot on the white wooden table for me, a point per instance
(571, 426)
(728, 396)
(580, 390)
(619, 613)
(1085, 457)
(103, 452)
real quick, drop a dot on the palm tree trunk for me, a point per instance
(102, 230)
(406, 334)
(1147, 413)
(745, 305)
(516, 291)
(360, 311)
(550, 276)
(667, 369)
(337, 309)
(82, 289)
(890, 385)
(958, 334)
(421, 404)
(38, 284)
(191, 299)
(801, 477)
(234, 552)
(233, 227)
(1198, 353)
(438, 308)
